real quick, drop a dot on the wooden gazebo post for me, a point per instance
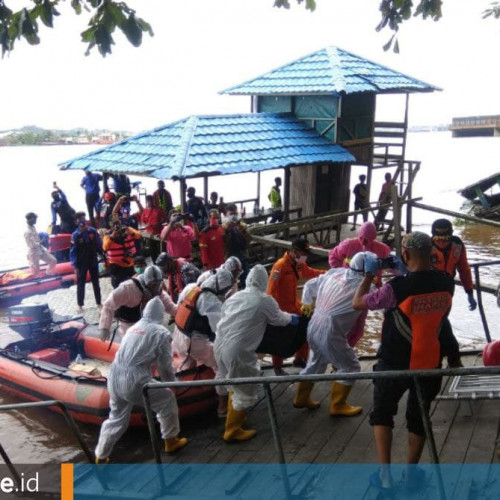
(182, 184)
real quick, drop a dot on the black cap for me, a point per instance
(139, 260)
(301, 244)
(163, 258)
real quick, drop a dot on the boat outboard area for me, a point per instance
(65, 360)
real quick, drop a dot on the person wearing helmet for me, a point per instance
(243, 321)
(231, 264)
(415, 306)
(449, 255)
(178, 272)
(127, 302)
(146, 344)
(327, 334)
(36, 251)
(198, 312)
(283, 285)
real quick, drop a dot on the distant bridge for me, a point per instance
(468, 126)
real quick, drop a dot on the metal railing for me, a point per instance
(267, 381)
(477, 284)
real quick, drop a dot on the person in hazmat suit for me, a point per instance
(327, 333)
(231, 264)
(145, 344)
(239, 332)
(127, 302)
(198, 312)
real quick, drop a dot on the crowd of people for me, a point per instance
(221, 312)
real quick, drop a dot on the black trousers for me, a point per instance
(81, 275)
(119, 274)
(91, 200)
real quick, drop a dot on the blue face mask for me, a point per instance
(139, 270)
(82, 222)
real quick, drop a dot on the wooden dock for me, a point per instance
(465, 431)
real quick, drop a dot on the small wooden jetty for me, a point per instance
(485, 204)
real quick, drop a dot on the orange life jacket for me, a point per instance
(187, 317)
(425, 313)
(122, 254)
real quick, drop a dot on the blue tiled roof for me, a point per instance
(330, 71)
(226, 144)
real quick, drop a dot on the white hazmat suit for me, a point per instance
(146, 343)
(240, 331)
(128, 294)
(331, 322)
(333, 318)
(198, 349)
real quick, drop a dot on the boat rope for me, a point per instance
(35, 368)
(112, 337)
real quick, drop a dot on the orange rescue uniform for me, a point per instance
(453, 259)
(283, 285)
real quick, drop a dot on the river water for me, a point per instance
(28, 173)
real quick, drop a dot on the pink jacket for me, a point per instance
(341, 255)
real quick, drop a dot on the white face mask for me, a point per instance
(301, 260)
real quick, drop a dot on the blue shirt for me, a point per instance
(91, 183)
(85, 245)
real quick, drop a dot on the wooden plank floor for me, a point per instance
(465, 432)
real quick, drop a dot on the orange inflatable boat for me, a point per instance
(67, 361)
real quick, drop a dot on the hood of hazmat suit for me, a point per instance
(242, 325)
(145, 343)
(334, 292)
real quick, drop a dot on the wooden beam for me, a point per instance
(258, 189)
(205, 188)
(459, 215)
(286, 201)
(182, 187)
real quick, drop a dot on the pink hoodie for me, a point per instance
(341, 255)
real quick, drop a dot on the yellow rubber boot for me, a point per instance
(338, 405)
(174, 444)
(302, 397)
(234, 421)
(101, 460)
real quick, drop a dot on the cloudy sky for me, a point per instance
(203, 46)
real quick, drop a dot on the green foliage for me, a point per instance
(310, 4)
(106, 16)
(493, 11)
